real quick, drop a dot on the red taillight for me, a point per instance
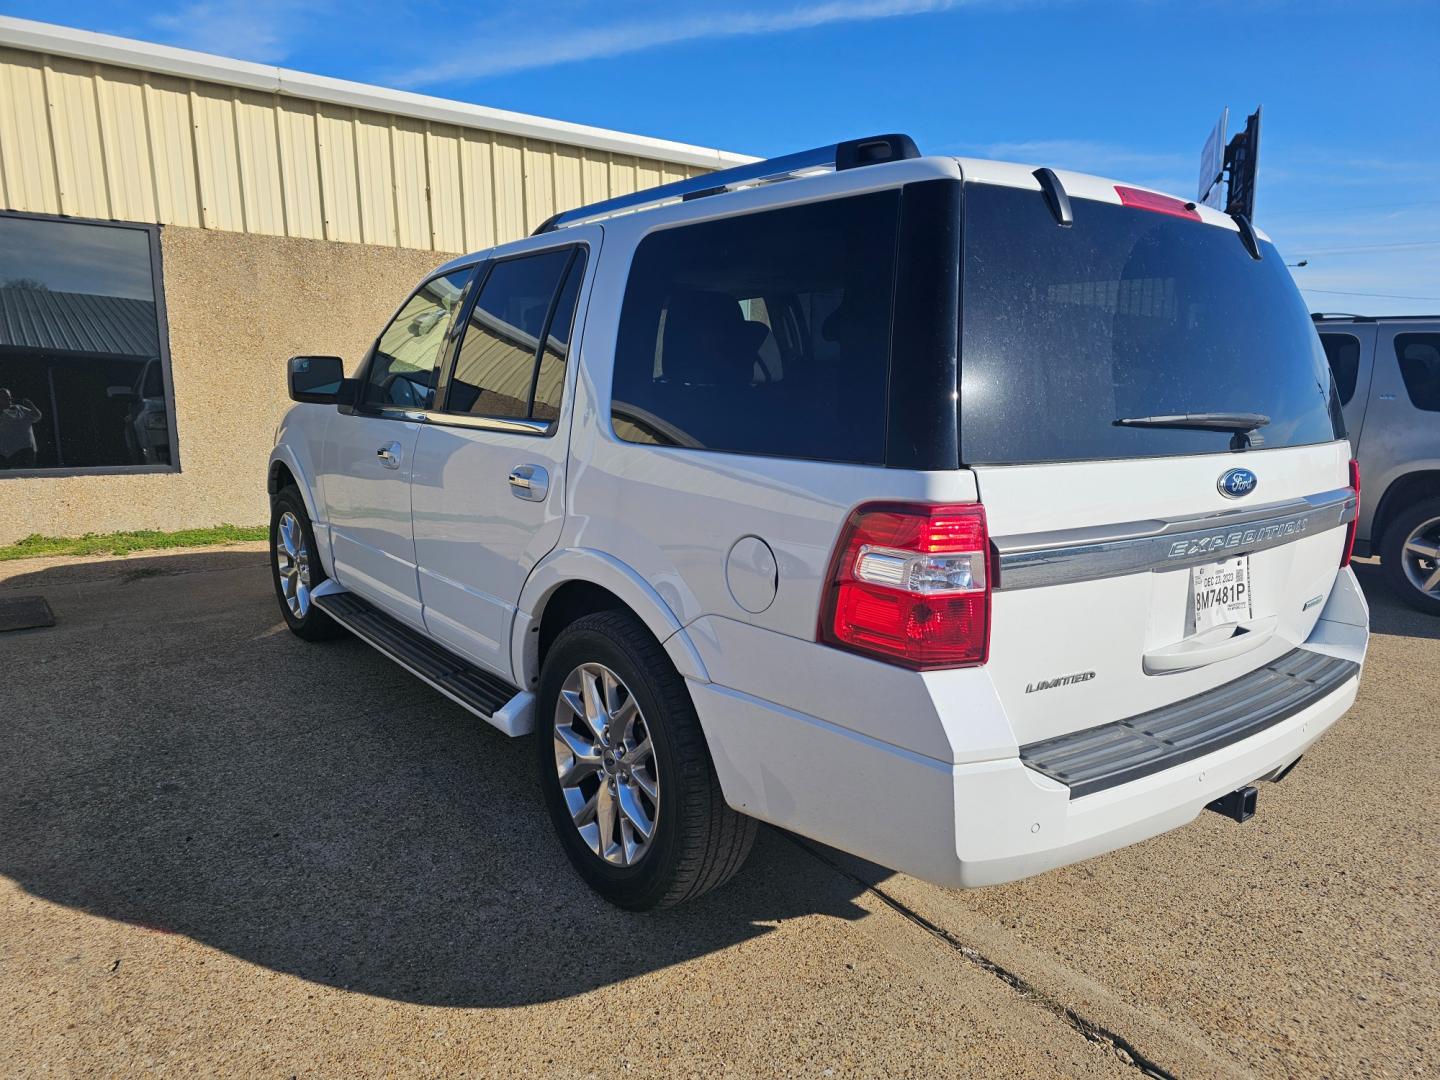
(1160, 204)
(910, 583)
(1350, 529)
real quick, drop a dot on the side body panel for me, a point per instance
(1399, 438)
(300, 447)
(368, 505)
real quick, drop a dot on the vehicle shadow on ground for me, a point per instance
(1388, 613)
(172, 758)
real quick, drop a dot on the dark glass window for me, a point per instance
(762, 334)
(1343, 352)
(1128, 313)
(496, 363)
(82, 356)
(402, 371)
(1419, 356)
(550, 378)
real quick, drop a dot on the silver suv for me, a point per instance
(1387, 371)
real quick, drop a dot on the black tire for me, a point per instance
(314, 624)
(1393, 557)
(699, 842)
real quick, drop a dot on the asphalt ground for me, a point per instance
(224, 851)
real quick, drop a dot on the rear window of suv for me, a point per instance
(1127, 313)
(767, 333)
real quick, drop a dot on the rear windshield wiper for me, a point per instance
(1200, 421)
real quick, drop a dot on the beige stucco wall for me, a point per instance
(238, 306)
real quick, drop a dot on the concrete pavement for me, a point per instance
(224, 851)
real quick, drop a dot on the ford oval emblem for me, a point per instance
(1237, 483)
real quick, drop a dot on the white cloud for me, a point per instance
(263, 31)
(530, 47)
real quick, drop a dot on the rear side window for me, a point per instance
(550, 378)
(1126, 314)
(762, 334)
(1419, 356)
(495, 368)
(402, 371)
(1343, 352)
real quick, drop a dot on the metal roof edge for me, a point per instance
(31, 36)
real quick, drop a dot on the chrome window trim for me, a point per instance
(1035, 560)
(509, 425)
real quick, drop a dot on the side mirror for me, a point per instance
(319, 380)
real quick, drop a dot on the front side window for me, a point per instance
(496, 366)
(402, 371)
(82, 356)
(762, 334)
(1419, 356)
(1343, 352)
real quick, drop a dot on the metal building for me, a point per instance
(241, 213)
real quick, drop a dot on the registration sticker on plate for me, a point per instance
(1222, 593)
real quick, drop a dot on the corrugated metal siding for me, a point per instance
(94, 140)
(77, 322)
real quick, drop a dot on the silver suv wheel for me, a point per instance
(606, 764)
(1421, 555)
(292, 560)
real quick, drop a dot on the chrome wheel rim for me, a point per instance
(606, 765)
(1422, 557)
(292, 560)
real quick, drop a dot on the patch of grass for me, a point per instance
(123, 543)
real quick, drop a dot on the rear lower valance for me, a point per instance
(1117, 753)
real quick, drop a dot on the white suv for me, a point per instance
(971, 518)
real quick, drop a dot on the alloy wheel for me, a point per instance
(606, 764)
(1422, 557)
(292, 559)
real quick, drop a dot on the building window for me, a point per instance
(84, 364)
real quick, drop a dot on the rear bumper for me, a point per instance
(986, 822)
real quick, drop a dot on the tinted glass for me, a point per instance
(402, 373)
(1419, 356)
(1128, 313)
(762, 334)
(550, 380)
(82, 381)
(1343, 352)
(496, 363)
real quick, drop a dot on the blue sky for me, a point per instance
(1350, 159)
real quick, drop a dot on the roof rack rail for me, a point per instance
(851, 154)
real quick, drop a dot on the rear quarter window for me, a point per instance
(1127, 313)
(767, 333)
(1419, 357)
(1343, 353)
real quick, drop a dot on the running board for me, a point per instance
(487, 696)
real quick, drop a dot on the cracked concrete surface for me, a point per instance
(223, 851)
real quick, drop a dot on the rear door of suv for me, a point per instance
(488, 491)
(1143, 559)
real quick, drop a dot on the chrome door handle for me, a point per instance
(529, 482)
(389, 455)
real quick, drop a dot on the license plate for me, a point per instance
(1222, 593)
